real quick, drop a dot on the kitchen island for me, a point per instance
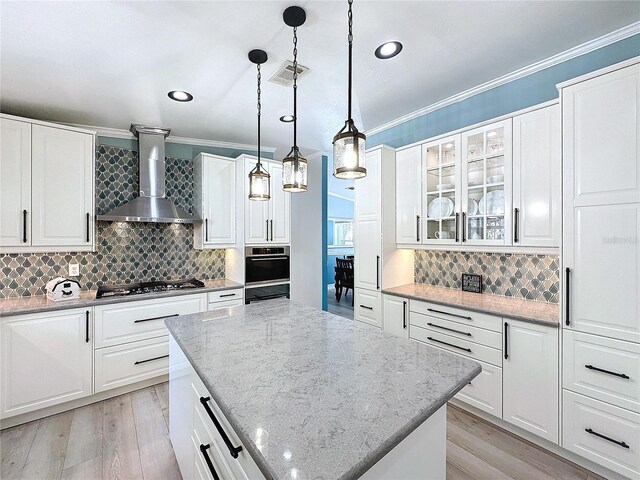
(280, 390)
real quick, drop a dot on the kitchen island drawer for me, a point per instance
(131, 321)
(457, 345)
(485, 391)
(602, 368)
(460, 315)
(207, 453)
(130, 363)
(368, 307)
(603, 433)
(459, 330)
(223, 295)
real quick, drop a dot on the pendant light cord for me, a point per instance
(259, 111)
(295, 87)
(350, 38)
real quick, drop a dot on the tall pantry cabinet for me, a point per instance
(378, 263)
(601, 267)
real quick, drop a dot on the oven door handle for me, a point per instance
(267, 259)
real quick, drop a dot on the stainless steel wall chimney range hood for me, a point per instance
(151, 205)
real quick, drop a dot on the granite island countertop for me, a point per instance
(311, 394)
(40, 303)
(517, 308)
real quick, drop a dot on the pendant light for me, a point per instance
(259, 178)
(294, 174)
(348, 143)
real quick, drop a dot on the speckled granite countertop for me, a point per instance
(516, 308)
(40, 303)
(311, 394)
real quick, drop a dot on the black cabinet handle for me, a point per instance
(232, 450)
(457, 237)
(608, 372)
(599, 435)
(377, 272)
(203, 451)
(449, 344)
(24, 226)
(417, 228)
(228, 295)
(155, 318)
(150, 359)
(516, 215)
(447, 313)
(567, 272)
(206, 229)
(365, 306)
(404, 314)
(464, 226)
(271, 230)
(86, 326)
(506, 340)
(449, 329)
(88, 226)
(267, 230)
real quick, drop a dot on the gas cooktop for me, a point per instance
(147, 287)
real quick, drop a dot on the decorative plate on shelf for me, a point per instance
(473, 207)
(493, 203)
(440, 207)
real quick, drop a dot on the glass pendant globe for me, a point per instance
(349, 155)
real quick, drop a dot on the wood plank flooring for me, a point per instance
(127, 438)
(342, 309)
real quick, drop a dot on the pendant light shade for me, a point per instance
(294, 171)
(349, 143)
(259, 178)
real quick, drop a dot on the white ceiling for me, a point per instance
(112, 63)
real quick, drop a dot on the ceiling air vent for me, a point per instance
(284, 75)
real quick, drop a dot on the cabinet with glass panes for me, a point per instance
(486, 184)
(441, 190)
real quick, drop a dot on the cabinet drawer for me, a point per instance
(226, 304)
(242, 467)
(457, 345)
(202, 435)
(464, 331)
(131, 321)
(607, 435)
(367, 307)
(460, 315)
(131, 363)
(224, 295)
(602, 368)
(485, 391)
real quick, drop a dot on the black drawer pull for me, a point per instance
(206, 229)
(228, 295)
(447, 313)
(566, 303)
(86, 326)
(267, 230)
(621, 375)
(449, 344)
(604, 437)
(232, 450)
(88, 226)
(203, 451)
(464, 227)
(404, 314)
(449, 329)
(156, 318)
(506, 341)
(377, 272)
(24, 226)
(516, 215)
(456, 227)
(365, 306)
(418, 228)
(150, 359)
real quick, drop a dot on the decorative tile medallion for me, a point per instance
(125, 252)
(534, 277)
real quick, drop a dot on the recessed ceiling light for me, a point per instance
(286, 118)
(388, 50)
(180, 96)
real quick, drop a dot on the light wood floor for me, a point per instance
(127, 438)
(344, 308)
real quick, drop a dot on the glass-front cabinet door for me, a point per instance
(441, 186)
(486, 185)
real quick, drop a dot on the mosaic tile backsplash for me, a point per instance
(125, 252)
(534, 277)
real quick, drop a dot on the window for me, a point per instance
(343, 233)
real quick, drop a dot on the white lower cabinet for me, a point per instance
(485, 391)
(46, 360)
(395, 315)
(367, 307)
(603, 433)
(530, 378)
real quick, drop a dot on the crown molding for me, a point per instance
(603, 41)
(126, 134)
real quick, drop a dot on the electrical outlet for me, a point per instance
(74, 270)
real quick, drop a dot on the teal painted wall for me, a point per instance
(525, 92)
(179, 150)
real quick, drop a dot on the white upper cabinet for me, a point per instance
(215, 200)
(267, 222)
(47, 187)
(15, 183)
(537, 178)
(408, 195)
(486, 185)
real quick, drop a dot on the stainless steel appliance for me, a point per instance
(266, 273)
(147, 287)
